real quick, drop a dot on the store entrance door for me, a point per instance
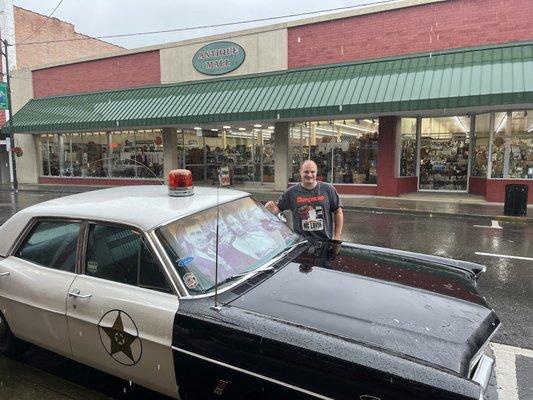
(444, 154)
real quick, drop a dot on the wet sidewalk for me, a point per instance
(421, 203)
(19, 381)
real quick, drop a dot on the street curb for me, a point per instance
(503, 218)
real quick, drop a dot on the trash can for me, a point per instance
(515, 200)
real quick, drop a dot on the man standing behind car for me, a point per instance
(315, 206)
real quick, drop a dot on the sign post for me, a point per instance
(5, 96)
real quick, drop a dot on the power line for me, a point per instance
(44, 22)
(203, 26)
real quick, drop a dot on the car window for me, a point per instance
(248, 236)
(52, 244)
(120, 255)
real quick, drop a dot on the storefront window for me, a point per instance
(512, 150)
(149, 153)
(444, 148)
(299, 145)
(122, 152)
(346, 151)
(480, 158)
(49, 146)
(408, 147)
(95, 156)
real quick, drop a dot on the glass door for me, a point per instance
(444, 152)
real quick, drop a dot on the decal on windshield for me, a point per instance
(190, 280)
(183, 262)
(120, 337)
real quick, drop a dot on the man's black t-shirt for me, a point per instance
(312, 209)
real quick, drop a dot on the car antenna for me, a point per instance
(216, 307)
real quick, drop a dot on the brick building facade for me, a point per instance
(62, 43)
(370, 39)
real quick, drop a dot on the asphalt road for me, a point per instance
(507, 286)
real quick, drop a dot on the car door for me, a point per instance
(34, 282)
(121, 309)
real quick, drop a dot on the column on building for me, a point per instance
(170, 152)
(387, 180)
(281, 157)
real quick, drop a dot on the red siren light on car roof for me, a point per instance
(180, 183)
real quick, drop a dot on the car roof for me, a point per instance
(145, 206)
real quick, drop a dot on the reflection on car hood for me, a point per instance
(410, 307)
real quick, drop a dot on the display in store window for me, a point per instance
(444, 152)
(512, 151)
(408, 147)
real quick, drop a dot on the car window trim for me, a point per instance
(29, 228)
(83, 254)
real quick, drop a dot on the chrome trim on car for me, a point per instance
(165, 260)
(151, 238)
(483, 371)
(254, 374)
(479, 353)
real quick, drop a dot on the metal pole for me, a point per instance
(12, 133)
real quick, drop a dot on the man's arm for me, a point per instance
(338, 218)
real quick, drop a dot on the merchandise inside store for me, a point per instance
(442, 152)
(345, 151)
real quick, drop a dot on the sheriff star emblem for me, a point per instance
(120, 337)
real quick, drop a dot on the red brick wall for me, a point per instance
(27, 22)
(407, 184)
(496, 189)
(437, 26)
(387, 183)
(477, 186)
(97, 75)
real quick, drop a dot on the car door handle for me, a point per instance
(76, 293)
(4, 273)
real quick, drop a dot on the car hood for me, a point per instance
(405, 305)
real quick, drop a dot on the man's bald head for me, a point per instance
(308, 172)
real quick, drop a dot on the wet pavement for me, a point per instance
(464, 228)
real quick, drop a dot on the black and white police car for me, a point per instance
(209, 295)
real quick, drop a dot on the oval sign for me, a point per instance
(218, 58)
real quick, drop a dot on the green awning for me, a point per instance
(488, 76)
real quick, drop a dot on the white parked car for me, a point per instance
(123, 280)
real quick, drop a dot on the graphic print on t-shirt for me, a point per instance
(311, 212)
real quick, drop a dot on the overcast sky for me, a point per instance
(110, 17)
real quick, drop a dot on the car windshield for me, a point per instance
(248, 237)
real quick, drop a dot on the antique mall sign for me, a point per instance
(218, 58)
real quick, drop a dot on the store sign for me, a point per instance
(218, 58)
(3, 95)
(223, 176)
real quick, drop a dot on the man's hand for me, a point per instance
(272, 207)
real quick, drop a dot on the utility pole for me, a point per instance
(10, 111)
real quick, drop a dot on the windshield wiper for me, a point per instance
(240, 274)
(267, 267)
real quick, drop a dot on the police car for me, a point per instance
(203, 293)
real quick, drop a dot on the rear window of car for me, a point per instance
(120, 254)
(52, 244)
